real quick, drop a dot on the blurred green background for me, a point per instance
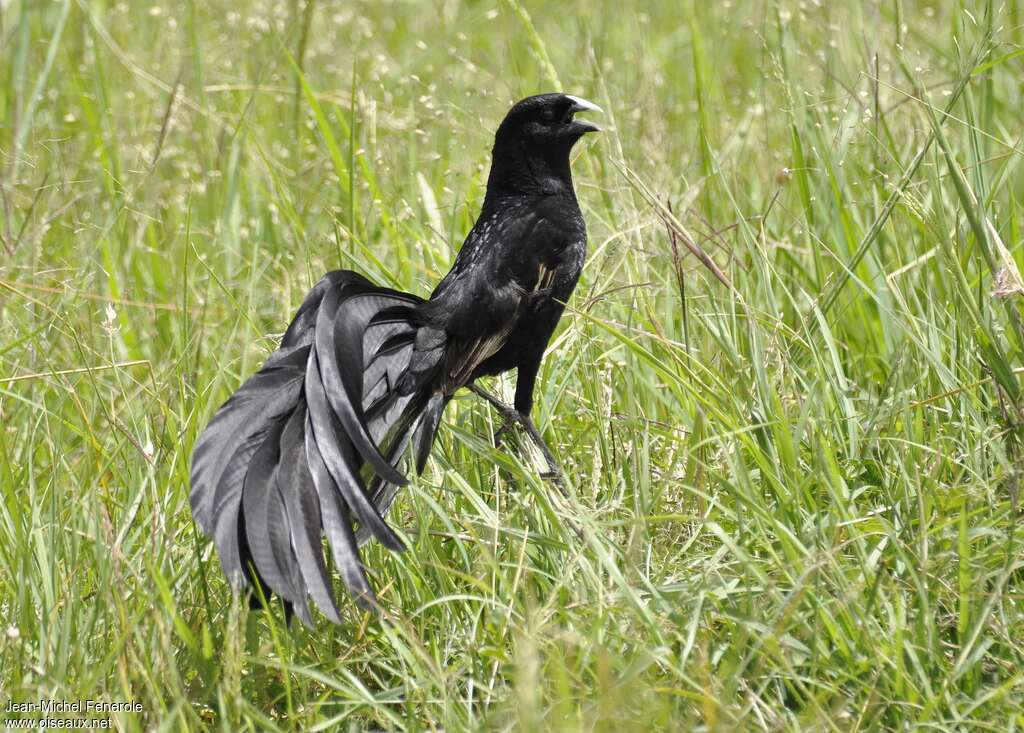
(797, 493)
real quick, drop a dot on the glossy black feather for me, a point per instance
(295, 484)
(338, 455)
(338, 527)
(266, 525)
(427, 429)
(266, 395)
(342, 379)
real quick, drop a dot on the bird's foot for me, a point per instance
(510, 422)
(512, 418)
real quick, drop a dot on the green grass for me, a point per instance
(797, 496)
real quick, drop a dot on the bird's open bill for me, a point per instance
(584, 105)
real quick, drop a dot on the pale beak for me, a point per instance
(583, 105)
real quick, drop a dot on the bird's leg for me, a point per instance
(555, 472)
(508, 412)
(513, 417)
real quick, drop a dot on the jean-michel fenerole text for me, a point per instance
(48, 707)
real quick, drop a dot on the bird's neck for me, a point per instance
(516, 172)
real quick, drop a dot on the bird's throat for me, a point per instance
(516, 170)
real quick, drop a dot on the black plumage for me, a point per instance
(310, 445)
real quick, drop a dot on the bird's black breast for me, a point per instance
(506, 290)
(539, 315)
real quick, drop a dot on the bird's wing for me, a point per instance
(478, 305)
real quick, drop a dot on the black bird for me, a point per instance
(310, 445)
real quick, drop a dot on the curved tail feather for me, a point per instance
(309, 447)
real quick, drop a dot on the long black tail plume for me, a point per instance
(310, 445)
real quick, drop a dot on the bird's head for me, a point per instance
(532, 145)
(547, 121)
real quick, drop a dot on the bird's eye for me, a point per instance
(547, 114)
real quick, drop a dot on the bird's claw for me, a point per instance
(510, 422)
(512, 418)
(554, 474)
